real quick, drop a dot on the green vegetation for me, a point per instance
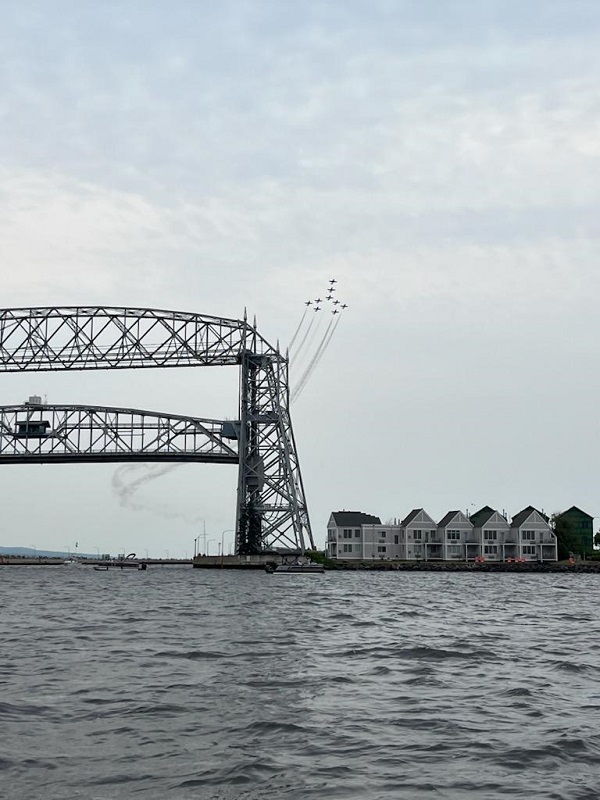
(567, 539)
(319, 557)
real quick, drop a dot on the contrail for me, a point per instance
(312, 361)
(300, 347)
(291, 344)
(316, 359)
(127, 489)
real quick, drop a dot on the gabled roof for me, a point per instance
(353, 518)
(411, 516)
(447, 518)
(520, 518)
(414, 514)
(576, 510)
(480, 517)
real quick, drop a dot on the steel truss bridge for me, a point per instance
(271, 505)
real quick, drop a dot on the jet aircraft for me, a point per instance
(344, 306)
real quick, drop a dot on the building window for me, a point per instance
(417, 535)
(383, 534)
(396, 538)
(491, 536)
(529, 549)
(454, 550)
(357, 531)
(347, 548)
(381, 549)
(347, 533)
(528, 536)
(490, 550)
(357, 548)
(453, 536)
(357, 534)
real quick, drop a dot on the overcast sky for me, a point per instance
(440, 158)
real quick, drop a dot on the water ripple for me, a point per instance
(203, 686)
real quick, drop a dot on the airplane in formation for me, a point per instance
(333, 280)
(317, 308)
(344, 306)
(308, 303)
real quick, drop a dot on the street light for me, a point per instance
(229, 530)
(197, 551)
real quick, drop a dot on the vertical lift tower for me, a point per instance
(271, 509)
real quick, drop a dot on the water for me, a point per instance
(180, 683)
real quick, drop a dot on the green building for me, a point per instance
(581, 526)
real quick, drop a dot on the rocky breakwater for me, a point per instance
(462, 566)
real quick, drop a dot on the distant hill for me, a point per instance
(30, 552)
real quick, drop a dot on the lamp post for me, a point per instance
(229, 530)
(197, 550)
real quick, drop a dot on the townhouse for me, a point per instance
(485, 535)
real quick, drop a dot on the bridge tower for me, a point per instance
(271, 509)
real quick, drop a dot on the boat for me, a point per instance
(71, 562)
(294, 567)
(300, 568)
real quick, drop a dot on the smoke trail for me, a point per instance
(312, 367)
(301, 364)
(127, 482)
(297, 331)
(303, 340)
(308, 369)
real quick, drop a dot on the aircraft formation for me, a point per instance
(309, 342)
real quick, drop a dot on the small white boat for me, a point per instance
(71, 562)
(295, 567)
(300, 568)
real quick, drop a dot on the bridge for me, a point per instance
(271, 509)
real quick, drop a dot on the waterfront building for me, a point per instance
(345, 538)
(485, 535)
(582, 527)
(489, 535)
(455, 529)
(421, 537)
(531, 537)
(383, 542)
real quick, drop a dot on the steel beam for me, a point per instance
(271, 505)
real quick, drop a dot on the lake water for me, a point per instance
(180, 683)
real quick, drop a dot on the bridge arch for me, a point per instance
(271, 506)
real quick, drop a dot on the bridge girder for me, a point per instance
(67, 434)
(271, 504)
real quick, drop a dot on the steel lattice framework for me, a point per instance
(47, 434)
(271, 504)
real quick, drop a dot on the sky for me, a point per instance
(439, 158)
